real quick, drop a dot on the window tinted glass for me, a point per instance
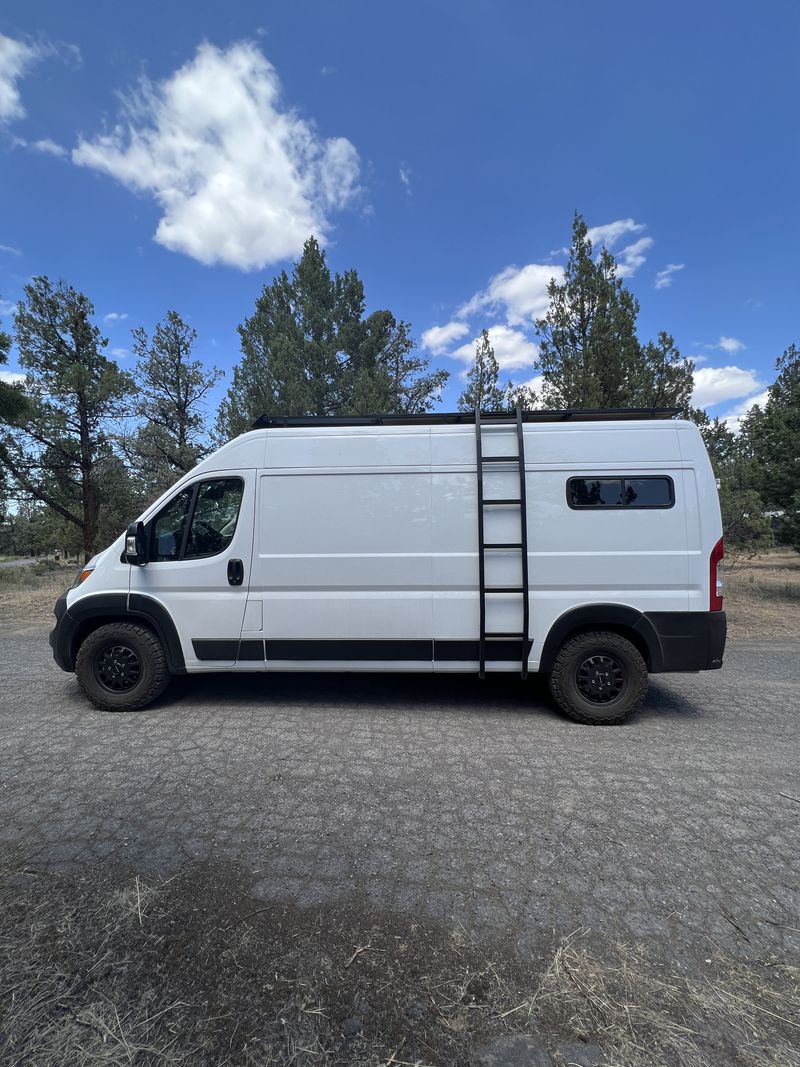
(595, 492)
(648, 492)
(169, 525)
(651, 492)
(214, 519)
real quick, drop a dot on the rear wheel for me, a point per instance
(599, 678)
(122, 667)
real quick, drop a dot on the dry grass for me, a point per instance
(641, 1014)
(97, 971)
(762, 596)
(27, 595)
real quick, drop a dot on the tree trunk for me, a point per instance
(90, 502)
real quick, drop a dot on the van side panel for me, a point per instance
(342, 560)
(631, 557)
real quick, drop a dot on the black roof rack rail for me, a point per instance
(439, 418)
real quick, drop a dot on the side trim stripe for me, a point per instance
(254, 650)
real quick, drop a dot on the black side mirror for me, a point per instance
(135, 545)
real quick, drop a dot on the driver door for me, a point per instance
(200, 549)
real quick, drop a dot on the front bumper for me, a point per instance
(689, 640)
(61, 635)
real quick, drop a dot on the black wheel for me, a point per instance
(122, 667)
(599, 678)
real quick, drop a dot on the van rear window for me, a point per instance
(649, 491)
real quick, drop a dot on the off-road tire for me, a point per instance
(567, 693)
(144, 646)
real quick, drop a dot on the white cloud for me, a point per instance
(405, 178)
(15, 59)
(439, 338)
(712, 385)
(48, 147)
(730, 344)
(733, 419)
(115, 316)
(664, 277)
(611, 232)
(6, 307)
(519, 291)
(10, 249)
(512, 349)
(630, 258)
(119, 353)
(240, 178)
(11, 377)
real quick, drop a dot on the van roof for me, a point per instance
(447, 417)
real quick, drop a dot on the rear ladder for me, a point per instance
(493, 462)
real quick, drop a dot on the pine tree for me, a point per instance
(308, 349)
(12, 398)
(773, 435)
(54, 450)
(171, 389)
(483, 390)
(590, 355)
(746, 527)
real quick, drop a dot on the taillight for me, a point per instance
(715, 577)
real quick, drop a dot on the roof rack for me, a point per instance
(437, 418)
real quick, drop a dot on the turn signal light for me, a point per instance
(84, 575)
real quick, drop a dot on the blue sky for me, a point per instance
(175, 155)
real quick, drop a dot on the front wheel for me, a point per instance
(122, 667)
(599, 678)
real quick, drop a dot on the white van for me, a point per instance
(584, 544)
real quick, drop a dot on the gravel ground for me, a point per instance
(457, 800)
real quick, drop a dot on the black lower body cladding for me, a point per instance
(689, 640)
(91, 611)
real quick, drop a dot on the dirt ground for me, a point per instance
(333, 871)
(762, 596)
(102, 968)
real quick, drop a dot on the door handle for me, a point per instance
(235, 572)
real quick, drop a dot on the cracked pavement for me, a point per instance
(460, 800)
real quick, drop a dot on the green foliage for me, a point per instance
(12, 398)
(746, 527)
(308, 350)
(483, 389)
(170, 390)
(52, 452)
(773, 436)
(590, 355)
(790, 527)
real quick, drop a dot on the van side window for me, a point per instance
(214, 520)
(199, 521)
(169, 526)
(648, 491)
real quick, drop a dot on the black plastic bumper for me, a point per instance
(61, 635)
(688, 640)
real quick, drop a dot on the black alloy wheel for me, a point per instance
(117, 668)
(600, 678)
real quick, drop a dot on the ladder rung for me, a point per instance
(501, 459)
(505, 544)
(500, 633)
(503, 589)
(503, 500)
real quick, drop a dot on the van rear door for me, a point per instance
(200, 546)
